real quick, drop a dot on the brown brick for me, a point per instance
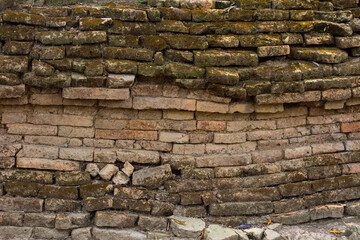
(126, 134)
(351, 168)
(96, 93)
(250, 125)
(223, 160)
(188, 148)
(39, 151)
(297, 152)
(289, 205)
(58, 192)
(211, 125)
(30, 129)
(40, 220)
(46, 99)
(21, 204)
(76, 132)
(202, 106)
(327, 148)
(97, 204)
(173, 137)
(11, 219)
(295, 189)
(73, 178)
(7, 118)
(249, 194)
(22, 189)
(350, 127)
(112, 219)
(164, 103)
(324, 172)
(288, 98)
(66, 221)
(62, 205)
(78, 154)
(67, 120)
(267, 156)
(241, 208)
(95, 190)
(47, 164)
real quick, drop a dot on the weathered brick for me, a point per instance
(267, 156)
(47, 164)
(351, 168)
(76, 132)
(250, 125)
(79, 154)
(66, 221)
(324, 172)
(241, 208)
(22, 189)
(173, 137)
(163, 103)
(327, 211)
(11, 219)
(126, 134)
(95, 190)
(350, 127)
(97, 204)
(188, 148)
(297, 152)
(211, 107)
(67, 120)
(138, 156)
(112, 219)
(295, 189)
(327, 148)
(21, 204)
(62, 205)
(96, 93)
(58, 192)
(312, 96)
(39, 151)
(223, 160)
(73, 179)
(229, 137)
(25, 18)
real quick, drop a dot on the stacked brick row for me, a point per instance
(115, 117)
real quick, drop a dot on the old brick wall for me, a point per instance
(122, 116)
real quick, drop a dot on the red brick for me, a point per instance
(350, 127)
(327, 147)
(213, 126)
(297, 152)
(145, 125)
(126, 134)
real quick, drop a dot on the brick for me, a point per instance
(105, 155)
(47, 164)
(223, 160)
(178, 115)
(327, 148)
(336, 94)
(79, 154)
(229, 137)
(351, 168)
(39, 151)
(269, 108)
(311, 96)
(126, 134)
(97, 204)
(295, 189)
(352, 209)
(188, 148)
(7, 162)
(62, 205)
(29, 129)
(73, 179)
(264, 135)
(289, 205)
(164, 103)
(271, 51)
(112, 219)
(249, 194)
(250, 125)
(46, 140)
(66, 221)
(324, 172)
(241, 108)
(58, 192)
(352, 145)
(173, 137)
(96, 93)
(241, 208)
(21, 204)
(211, 125)
(178, 162)
(267, 156)
(57, 119)
(138, 156)
(211, 107)
(11, 219)
(110, 124)
(22, 189)
(297, 152)
(46, 99)
(350, 127)
(95, 189)
(76, 132)
(297, 217)
(327, 211)
(7, 118)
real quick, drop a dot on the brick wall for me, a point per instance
(118, 117)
